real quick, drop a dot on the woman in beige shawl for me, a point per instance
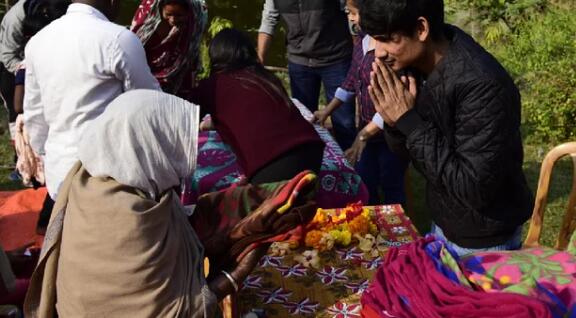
(119, 243)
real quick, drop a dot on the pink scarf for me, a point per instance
(409, 285)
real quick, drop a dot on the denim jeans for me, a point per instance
(514, 243)
(305, 84)
(380, 168)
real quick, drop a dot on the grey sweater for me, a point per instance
(317, 30)
(12, 37)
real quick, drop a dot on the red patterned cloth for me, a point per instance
(174, 59)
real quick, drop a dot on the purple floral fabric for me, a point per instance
(217, 169)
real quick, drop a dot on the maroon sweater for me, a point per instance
(252, 118)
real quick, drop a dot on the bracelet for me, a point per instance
(232, 281)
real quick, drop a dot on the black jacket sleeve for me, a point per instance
(466, 160)
(396, 142)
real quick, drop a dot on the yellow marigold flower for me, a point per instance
(320, 217)
(346, 238)
(336, 235)
(505, 280)
(367, 213)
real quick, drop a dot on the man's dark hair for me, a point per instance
(39, 13)
(385, 17)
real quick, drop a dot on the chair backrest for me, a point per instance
(569, 221)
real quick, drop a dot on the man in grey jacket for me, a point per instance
(319, 48)
(12, 43)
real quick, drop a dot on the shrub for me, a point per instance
(541, 56)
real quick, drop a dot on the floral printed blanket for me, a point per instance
(217, 169)
(281, 286)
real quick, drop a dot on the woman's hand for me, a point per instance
(222, 286)
(206, 124)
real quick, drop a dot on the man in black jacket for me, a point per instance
(460, 127)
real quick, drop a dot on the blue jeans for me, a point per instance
(514, 243)
(380, 168)
(305, 84)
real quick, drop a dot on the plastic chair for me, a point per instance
(569, 221)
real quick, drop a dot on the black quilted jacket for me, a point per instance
(464, 136)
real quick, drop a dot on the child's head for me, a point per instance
(231, 49)
(353, 12)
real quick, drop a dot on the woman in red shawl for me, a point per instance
(171, 31)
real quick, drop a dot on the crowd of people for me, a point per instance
(110, 119)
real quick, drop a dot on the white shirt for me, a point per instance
(74, 67)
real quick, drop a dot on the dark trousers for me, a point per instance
(379, 168)
(7, 92)
(305, 84)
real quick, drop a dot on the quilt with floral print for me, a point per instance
(283, 287)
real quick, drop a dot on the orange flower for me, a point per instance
(313, 239)
(360, 225)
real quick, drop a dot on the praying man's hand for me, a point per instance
(392, 96)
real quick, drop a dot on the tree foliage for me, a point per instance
(536, 41)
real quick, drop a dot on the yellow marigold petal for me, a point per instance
(505, 280)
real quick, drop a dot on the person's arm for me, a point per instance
(320, 116)
(344, 94)
(354, 153)
(34, 119)
(223, 285)
(395, 140)
(270, 17)
(12, 37)
(19, 91)
(469, 163)
(129, 64)
(19, 99)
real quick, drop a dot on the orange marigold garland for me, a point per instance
(339, 226)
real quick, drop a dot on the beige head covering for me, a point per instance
(145, 139)
(109, 251)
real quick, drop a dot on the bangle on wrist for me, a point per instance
(232, 281)
(363, 137)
